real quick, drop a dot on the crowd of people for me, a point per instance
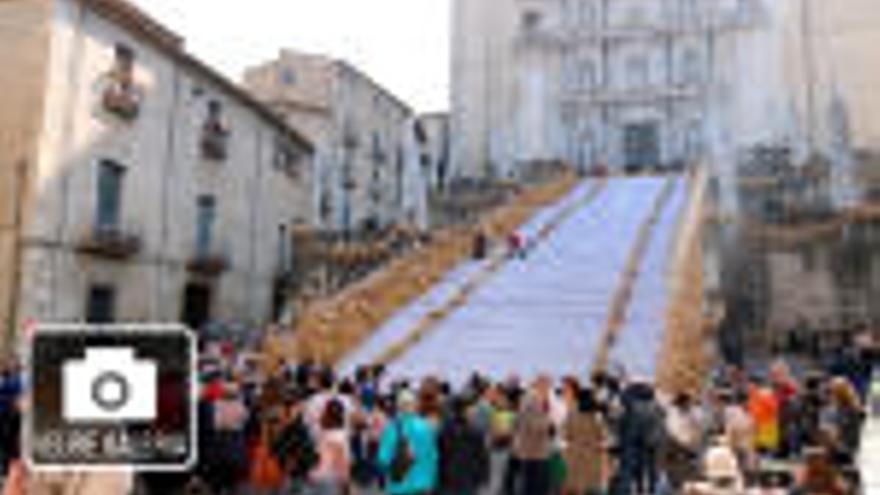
(300, 429)
(303, 430)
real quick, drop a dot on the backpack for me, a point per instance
(296, 449)
(403, 458)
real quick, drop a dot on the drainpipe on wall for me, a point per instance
(171, 144)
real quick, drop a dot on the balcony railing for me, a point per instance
(647, 94)
(289, 160)
(122, 99)
(209, 263)
(215, 141)
(110, 241)
(349, 181)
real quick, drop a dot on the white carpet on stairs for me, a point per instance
(544, 314)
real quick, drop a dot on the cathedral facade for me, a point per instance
(616, 83)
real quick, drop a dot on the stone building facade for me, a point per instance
(436, 148)
(138, 183)
(368, 163)
(619, 83)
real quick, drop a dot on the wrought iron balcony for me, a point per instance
(207, 262)
(122, 99)
(349, 181)
(215, 141)
(110, 241)
(350, 139)
(289, 160)
(350, 184)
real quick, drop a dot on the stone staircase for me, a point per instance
(546, 313)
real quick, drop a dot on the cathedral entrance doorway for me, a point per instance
(641, 146)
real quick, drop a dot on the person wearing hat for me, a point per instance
(721, 469)
(412, 437)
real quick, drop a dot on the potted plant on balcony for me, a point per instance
(121, 95)
(215, 137)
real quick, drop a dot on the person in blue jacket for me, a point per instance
(11, 388)
(421, 438)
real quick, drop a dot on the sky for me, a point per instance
(402, 44)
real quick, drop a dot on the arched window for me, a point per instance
(637, 71)
(587, 73)
(691, 72)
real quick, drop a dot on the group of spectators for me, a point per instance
(303, 430)
(300, 429)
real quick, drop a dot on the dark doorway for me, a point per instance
(196, 305)
(280, 300)
(101, 305)
(641, 144)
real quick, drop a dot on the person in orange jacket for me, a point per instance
(763, 407)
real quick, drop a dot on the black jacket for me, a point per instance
(295, 448)
(464, 457)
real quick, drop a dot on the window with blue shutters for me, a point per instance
(109, 201)
(206, 217)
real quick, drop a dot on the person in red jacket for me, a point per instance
(517, 245)
(787, 393)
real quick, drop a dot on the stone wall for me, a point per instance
(24, 35)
